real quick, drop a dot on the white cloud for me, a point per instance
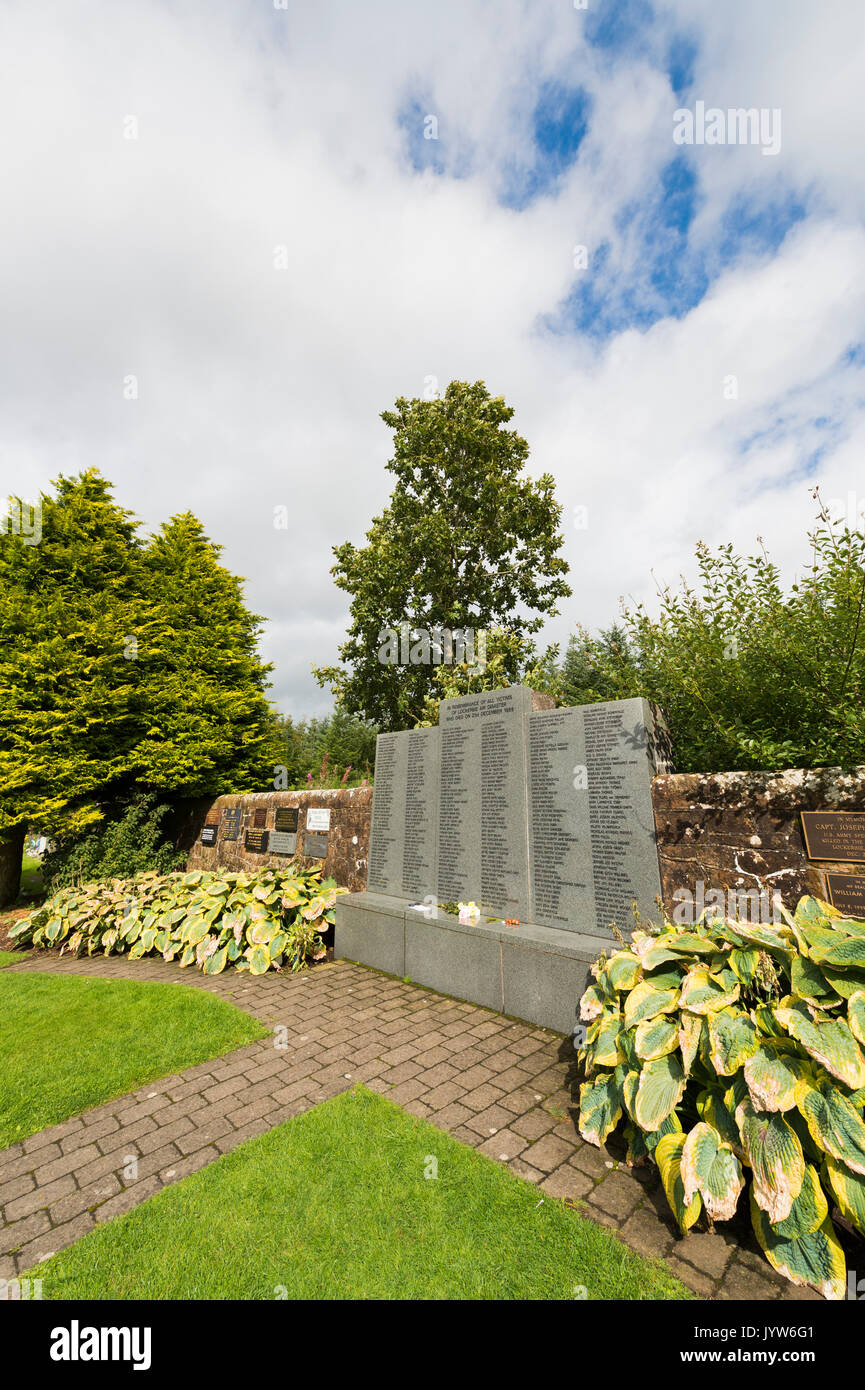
(257, 387)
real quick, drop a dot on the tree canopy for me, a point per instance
(467, 541)
(127, 665)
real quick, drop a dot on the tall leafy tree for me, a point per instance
(125, 667)
(466, 541)
(597, 668)
(69, 606)
(208, 725)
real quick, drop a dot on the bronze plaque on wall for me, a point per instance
(838, 835)
(259, 820)
(256, 840)
(847, 893)
(286, 818)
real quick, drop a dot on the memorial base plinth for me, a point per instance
(529, 972)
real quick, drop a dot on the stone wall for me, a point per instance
(724, 829)
(347, 839)
(727, 829)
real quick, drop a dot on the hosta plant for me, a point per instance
(732, 1056)
(260, 921)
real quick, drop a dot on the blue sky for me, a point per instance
(281, 252)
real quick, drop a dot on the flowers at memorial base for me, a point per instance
(512, 921)
(469, 913)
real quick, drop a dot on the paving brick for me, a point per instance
(18, 1233)
(53, 1240)
(39, 1198)
(690, 1277)
(710, 1254)
(17, 1187)
(548, 1153)
(565, 1181)
(83, 1199)
(618, 1194)
(490, 1120)
(130, 1197)
(647, 1235)
(183, 1167)
(481, 1097)
(504, 1145)
(532, 1124)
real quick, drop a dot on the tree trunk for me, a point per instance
(11, 852)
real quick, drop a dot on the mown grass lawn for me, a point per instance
(31, 877)
(12, 957)
(335, 1204)
(69, 1042)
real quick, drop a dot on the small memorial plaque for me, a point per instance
(260, 818)
(231, 820)
(256, 840)
(286, 818)
(282, 842)
(315, 846)
(208, 834)
(318, 818)
(838, 835)
(847, 893)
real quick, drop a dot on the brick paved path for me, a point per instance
(505, 1088)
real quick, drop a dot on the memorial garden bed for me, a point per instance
(70, 1043)
(308, 1210)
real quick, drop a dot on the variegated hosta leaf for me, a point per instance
(839, 950)
(690, 1028)
(834, 1124)
(646, 1002)
(629, 1090)
(776, 1077)
(668, 1156)
(196, 929)
(712, 1109)
(744, 963)
(733, 1038)
(774, 1153)
(810, 909)
(603, 1038)
(701, 994)
(809, 982)
(710, 1167)
(815, 1260)
(600, 1107)
(591, 1005)
(261, 933)
(856, 1015)
(844, 982)
(655, 1037)
(216, 962)
(624, 970)
(659, 955)
(767, 1023)
(685, 944)
(662, 1084)
(259, 960)
(829, 1042)
(777, 939)
(848, 1189)
(809, 1209)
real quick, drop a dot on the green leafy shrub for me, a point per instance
(751, 673)
(132, 843)
(729, 1049)
(253, 921)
